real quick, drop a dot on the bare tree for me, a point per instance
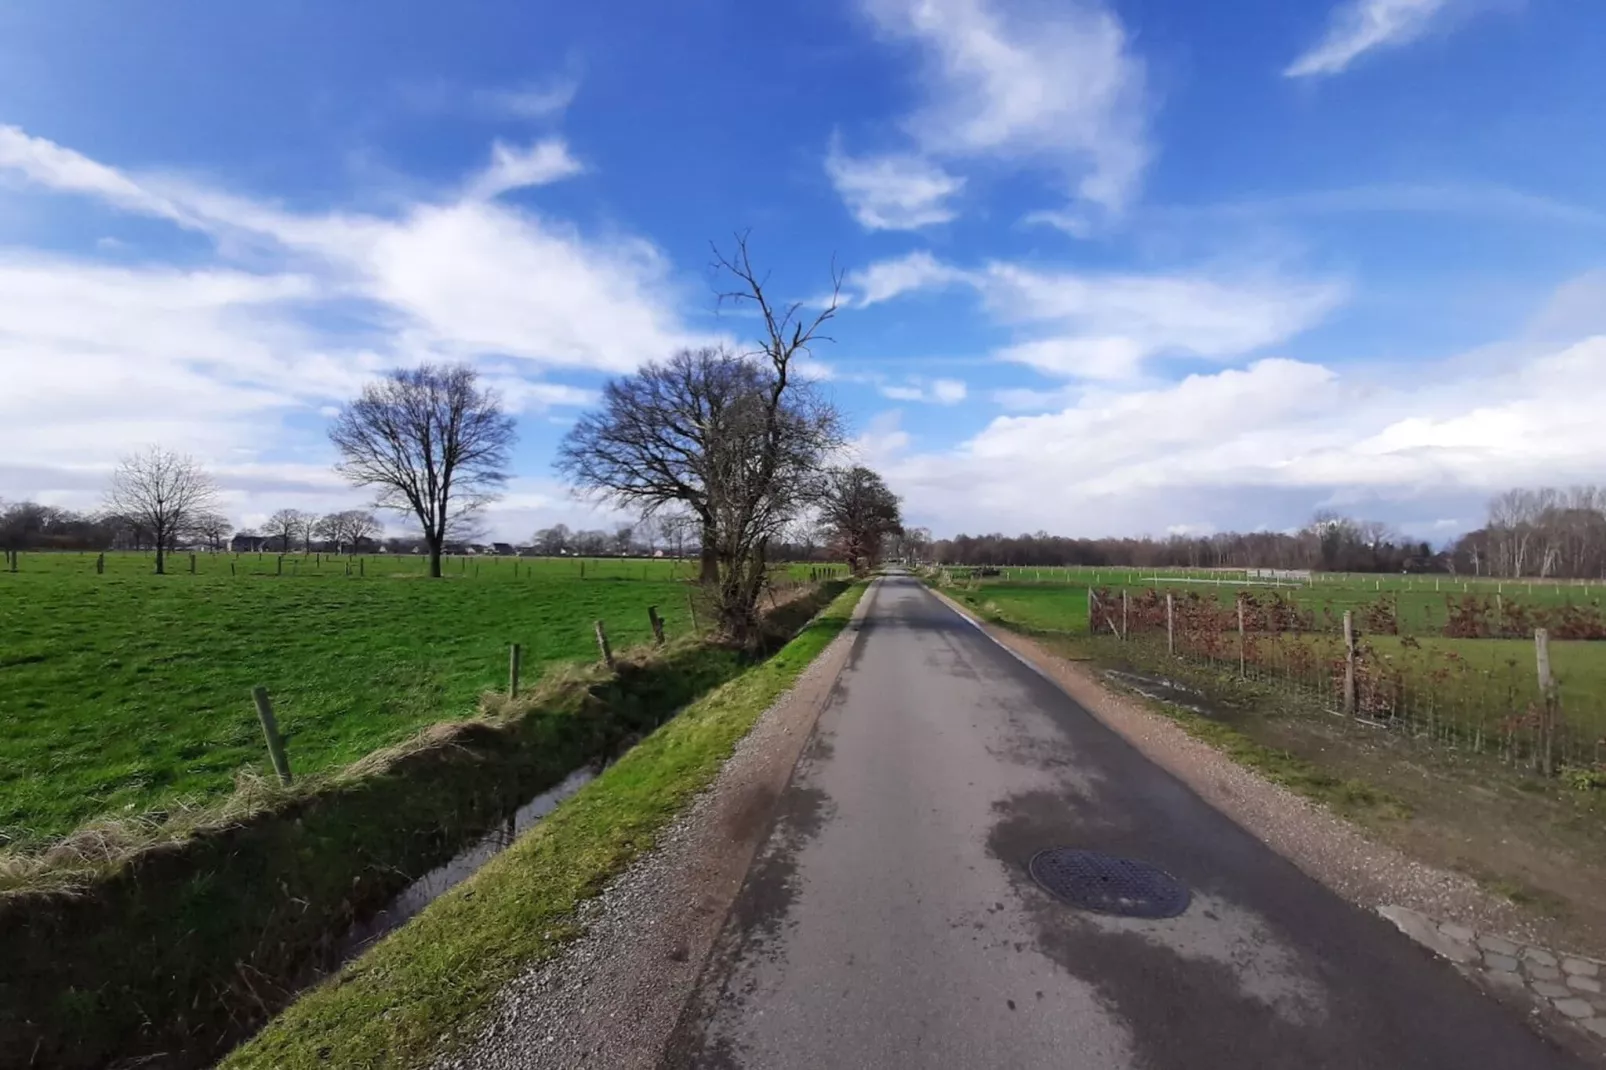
(346, 529)
(431, 443)
(624, 536)
(859, 510)
(211, 528)
(552, 541)
(737, 440)
(677, 529)
(288, 527)
(160, 491)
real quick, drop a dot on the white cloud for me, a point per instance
(1358, 26)
(1104, 326)
(1057, 87)
(541, 101)
(220, 360)
(887, 279)
(1116, 321)
(893, 192)
(514, 168)
(1112, 357)
(1268, 443)
(45, 163)
(933, 391)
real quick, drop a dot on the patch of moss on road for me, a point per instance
(423, 990)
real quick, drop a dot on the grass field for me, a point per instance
(1422, 602)
(1478, 682)
(126, 692)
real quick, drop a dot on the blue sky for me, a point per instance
(1111, 267)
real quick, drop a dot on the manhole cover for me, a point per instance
(1109, 885)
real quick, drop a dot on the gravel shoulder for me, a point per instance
(612, 997)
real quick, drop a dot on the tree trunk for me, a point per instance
(434, 558)
(710, 568)
(161, 558)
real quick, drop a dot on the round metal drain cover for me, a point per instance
(1109, 885)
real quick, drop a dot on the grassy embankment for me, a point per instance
(427, 985)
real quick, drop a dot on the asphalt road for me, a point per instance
(889, 920)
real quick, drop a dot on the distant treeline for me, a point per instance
(1540, 532)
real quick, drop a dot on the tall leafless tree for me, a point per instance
(736, 439)
(288, 527)
(347, 528)
(859, 510)
(212, 529)
(160, 491)
(431, 443)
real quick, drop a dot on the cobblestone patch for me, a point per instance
(1565, 984)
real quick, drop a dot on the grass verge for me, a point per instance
(1353, 799)
(426, 986)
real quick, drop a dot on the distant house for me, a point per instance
(246, 543)
(503, 548)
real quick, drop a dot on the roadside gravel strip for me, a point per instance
(611, 998)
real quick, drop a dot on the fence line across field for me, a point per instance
(1522, 719)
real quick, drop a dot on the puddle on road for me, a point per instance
(1163, 690)
(437, 882)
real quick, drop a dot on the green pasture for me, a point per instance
(125, 691)
(1056, 599)
(1474, 677)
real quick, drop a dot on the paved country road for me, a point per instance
(889, 919)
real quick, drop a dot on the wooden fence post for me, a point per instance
(231, 568)
(1170, 624)
(270, 732)
(1547, 704)
(691, 604)
(1124, 604)
(278, 569)
(192, 564)
(1092, 612)
(602, 645)
(657, 625)
(513, 671)
(1349, 662)
(100, 564)
(1243, 654)
(362, 569)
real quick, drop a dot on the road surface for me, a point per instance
(888, 920)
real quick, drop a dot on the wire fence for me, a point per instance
(1511, 681)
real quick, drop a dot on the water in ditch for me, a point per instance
(442, 879)
(1164, 690)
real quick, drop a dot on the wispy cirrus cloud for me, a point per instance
(895, 191)
(538, 101)
(1356, 27)
(520, 167)
(1057, 89)
(1092, 325)
(926, 391)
